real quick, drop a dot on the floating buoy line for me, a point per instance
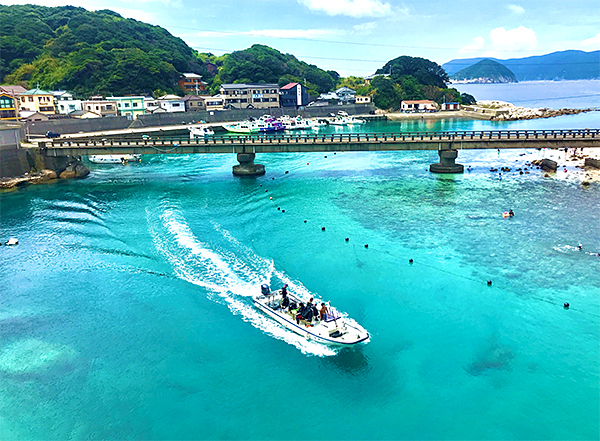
(489, 283)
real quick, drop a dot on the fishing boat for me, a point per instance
(260, 126)
(345, 121)
(333, 329)
(114, 159)
(200, 132)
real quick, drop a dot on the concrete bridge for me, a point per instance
(246, 146)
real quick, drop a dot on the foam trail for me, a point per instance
(225, 274)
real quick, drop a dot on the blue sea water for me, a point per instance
(126, 312)
(575, 94)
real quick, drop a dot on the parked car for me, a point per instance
(50, 134)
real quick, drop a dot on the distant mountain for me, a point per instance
(565, 65)
(485, 71)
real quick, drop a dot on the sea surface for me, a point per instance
(575, 94)
(126, 312)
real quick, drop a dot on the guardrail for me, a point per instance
(288, 138)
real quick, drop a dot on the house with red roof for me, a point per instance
(293, 95)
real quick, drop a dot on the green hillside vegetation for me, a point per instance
(89, 53)
(262, 64)
(100, 52)
(486, 71)
(409, 78)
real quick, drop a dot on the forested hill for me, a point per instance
(261, 63)
(564, 65)
(485, 71)
(90, 52)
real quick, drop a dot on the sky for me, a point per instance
(356, 37)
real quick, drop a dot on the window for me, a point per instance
(135, 104)
(109, 107)
(176, 104)
(126, 104)
(6, 102)
(31, 99)
(273, 99)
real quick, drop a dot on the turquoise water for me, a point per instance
(126, 308)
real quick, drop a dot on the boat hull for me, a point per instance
(114, 159)
(318, 331)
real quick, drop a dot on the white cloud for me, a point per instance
(292, 33)
(351, 8)
(477, 45)
(137, 14)
(365, 28)
(592, 43)
(520, 38)
(515, 9)
(173, 3)
(272, 33)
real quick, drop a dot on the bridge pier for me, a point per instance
(447, 164)
(247, 167)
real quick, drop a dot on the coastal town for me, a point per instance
(20, 104)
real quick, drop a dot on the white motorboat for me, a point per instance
(334, 329)
(345, 121)
(114, 159)
(200, 132)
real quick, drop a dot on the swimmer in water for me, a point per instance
(580, 247)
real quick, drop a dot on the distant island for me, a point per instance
(563, 65)
(484, 71)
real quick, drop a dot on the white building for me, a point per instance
(418, 106)
(172, 103)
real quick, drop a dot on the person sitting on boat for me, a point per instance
(299, 316)
(285, 300)
(323, 311)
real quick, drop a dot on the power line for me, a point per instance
(359, 60)
(354, 43)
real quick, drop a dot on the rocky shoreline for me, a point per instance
(75, 170)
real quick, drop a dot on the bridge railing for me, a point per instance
(291, 138)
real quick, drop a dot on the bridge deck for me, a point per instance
(273, 143)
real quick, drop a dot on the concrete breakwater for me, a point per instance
(521, 113)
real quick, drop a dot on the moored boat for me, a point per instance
(197, 132)
(114, 159)
(332, 329)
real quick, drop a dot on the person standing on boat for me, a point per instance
(284, 290)
(285, 300)
(323, 311)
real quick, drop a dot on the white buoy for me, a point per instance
(12, 241)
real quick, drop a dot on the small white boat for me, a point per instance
(114, 159)
(345, 121)
(12, 241)
(334, 329)
(200, 132)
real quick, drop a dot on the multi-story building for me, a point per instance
(293, 95)
(171, 103)
(192, 83)
(250, 96)
(194, 103)
(212, 103)
(99, 105)
(129, 106)
(8, 107)
(37, 100)
(64, 102)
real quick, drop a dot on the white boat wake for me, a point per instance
(231, 277)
